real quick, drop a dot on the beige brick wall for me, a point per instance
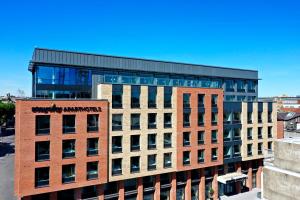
(254, 127)
(105, 92)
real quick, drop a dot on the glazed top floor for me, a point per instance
(123, 70)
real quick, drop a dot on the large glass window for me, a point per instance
(249, 117)
(214, 154)
(116, 144)
(167, 140)
(237, 150)
(237, 117)
(249, 149)
(249, 133)
(42, 124)
(92, 146)
(227, 117)
(92, 170)
(227, 151)
(186, 158)
(167, 97)
(151, 141)
(68, 123)
(135, 96)
(186, 139)
(270, 134)
(200, 137)
(134, 164)
(68, 150)
(214, 136)
(186, 119)
(251, 86)
(227, 134)
(229, 85)
(42, 151)
(151, 120)
(68, 173)
(240, 86)
(92, 123)
(259, 151)
(214, 100)
(117, 122)
(41, 177)
(214, 118)
(200, 118)
(167, 160)
(201, 100)
(152, 92)
(135, 142)
(152, 162)
(186, 100)
(259, 132)
(201, 155)
(117, 96)
(135, 121)
(167, 120)
(117, 166)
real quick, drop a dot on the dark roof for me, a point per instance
(60, 57)
(286, 116)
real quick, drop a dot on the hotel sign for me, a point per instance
(55, 109)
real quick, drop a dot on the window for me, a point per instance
(249, 117)
(237, 150)
(214, 154)
(186, 100)
(116, 144)
(186, 158)
(41, 177)
(134, 164)
(237, 117)
(240, 86)
(186, 139)
(92, 170)
(249, 149)
(249, 133)
(227, 134)
(229, 85)
(135, 96)
(42, 124)
(237, 133)
(214, 118)
(42, 151)
(227, 117)
(229, 97)
(167, 140)
(227, 151)
(92, 123)
(117, 122)
(167, 120)
(117, 166)
(270, 146)
(214, 100)
(270, 135)
(135, 143)
(167, 97)
(92, 146)
(117, 93)
(269, 117)
(152, 141)
(151, 120)
(214, 136)
(68, 173)
(68, 148)
(259, 132)
(260, 148)
(186, 119)
(152, 92)
(152, 162)
(201, 156)
(200, 119)
(167, 160)
(68, 123)
(135, 121)
(200, 137)
(201, 100)
(259, 117)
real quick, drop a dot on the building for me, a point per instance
(283, 172)
(173, 130)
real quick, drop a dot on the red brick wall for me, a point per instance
(194, 128)
(25, 146)
(280, 129)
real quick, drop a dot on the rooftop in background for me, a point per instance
(60, 57)
(286, 116)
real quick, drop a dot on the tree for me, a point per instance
(7, 111)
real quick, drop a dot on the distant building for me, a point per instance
(281, 177)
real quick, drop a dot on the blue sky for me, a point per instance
(256, 34)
